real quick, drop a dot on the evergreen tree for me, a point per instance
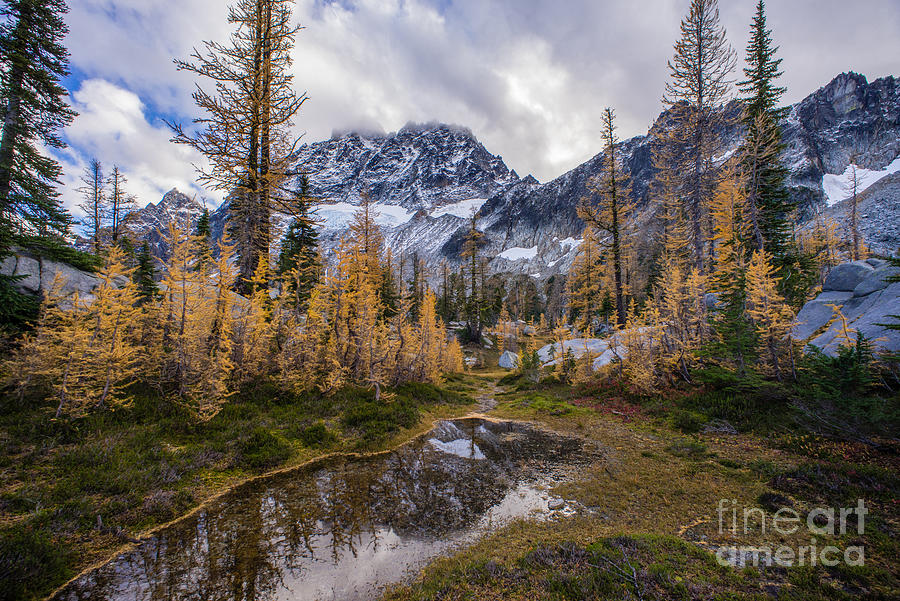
(203, 234)
(33, 60)
(144, 275)
(298, 261)
(767, 196)
(473, 299)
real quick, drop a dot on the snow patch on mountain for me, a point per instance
(463, 208)
(518, 253)
(840, 187)
(571, 242)
(337, 216)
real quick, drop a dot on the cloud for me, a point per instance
(529, 77)
(112, 127)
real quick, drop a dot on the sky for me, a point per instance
(530, 78)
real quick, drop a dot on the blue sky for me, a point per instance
(528, 77)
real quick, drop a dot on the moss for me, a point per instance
(264, 449)
(32, 561)
(317, 436)
(150, 463)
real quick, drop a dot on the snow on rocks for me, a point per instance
(840, 187)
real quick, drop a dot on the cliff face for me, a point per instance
(426, 180)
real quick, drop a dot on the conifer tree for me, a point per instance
(93, 191)
(210, 388)
(245, 131)
(767, 196)
(32, 63)
(298, 262)
(770, 314)
(144, 275)
(120, 204)
(203, 235)
(181, 333)
(255, 331)
(735, 334)
(473, 300)
(584, 282)
(613, 211)
(698, 88)
(85, 349)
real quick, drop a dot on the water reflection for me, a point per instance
(336, 529)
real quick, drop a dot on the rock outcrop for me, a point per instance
(37, 276)
(509, 360)
(865, 298)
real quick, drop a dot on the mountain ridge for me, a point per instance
(426, 178)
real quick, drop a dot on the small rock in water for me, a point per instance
(555, 504)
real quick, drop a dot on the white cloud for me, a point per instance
(529, 77)
(113, 128)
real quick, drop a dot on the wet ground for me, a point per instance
(341, 528)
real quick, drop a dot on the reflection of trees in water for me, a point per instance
(244, 544)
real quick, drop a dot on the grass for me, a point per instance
(650, 522)
(647, 530)
(72, 492)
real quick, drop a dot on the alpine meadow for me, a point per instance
(247, 360)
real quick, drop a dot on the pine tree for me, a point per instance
(473, 299)
(93, 190)
(298, 262)
(203, 234)
(695, 95)
(767, 196)
(614, 209)
(246, 130)
(144, 275)
(33, 61)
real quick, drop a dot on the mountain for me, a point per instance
(847, 118)
(426, 180)
(152, 222)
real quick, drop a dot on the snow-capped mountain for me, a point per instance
(847, 119)
(426, 180)
(152, 222)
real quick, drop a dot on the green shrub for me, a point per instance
(317, 436)
(688, 421)
(31, 562)
(264, 449)
(376, 420)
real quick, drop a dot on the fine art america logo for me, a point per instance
(786, 521)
